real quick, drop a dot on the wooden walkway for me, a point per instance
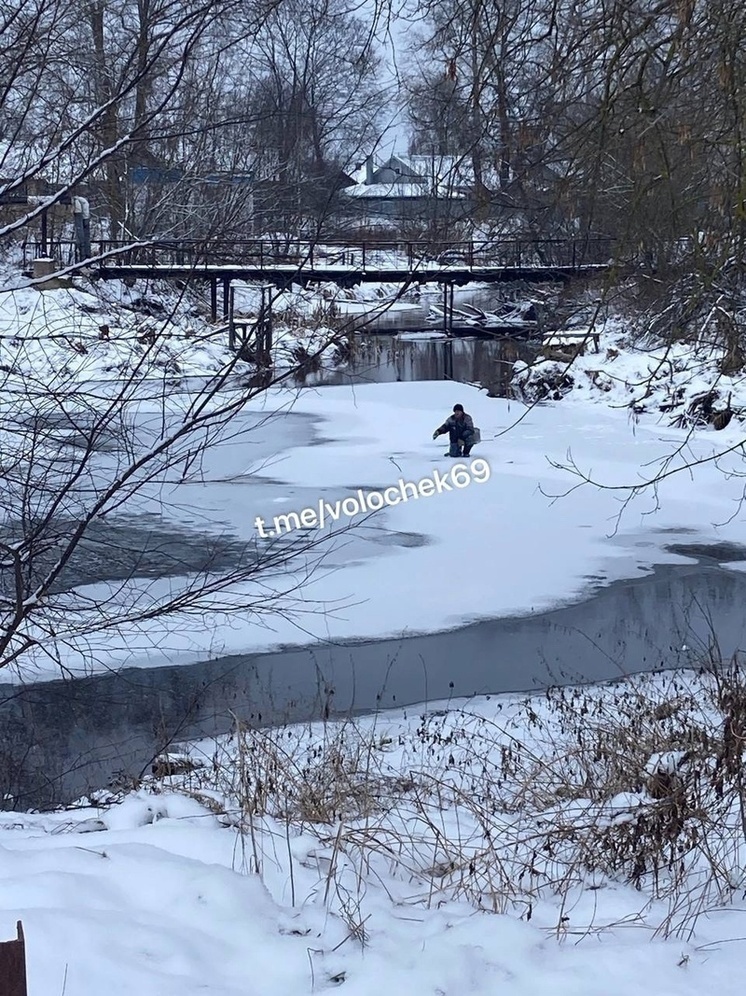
(278, 264)
(262, 259)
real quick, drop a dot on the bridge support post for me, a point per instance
(214, 298)
(448, 308)
(226, 296)
(264, 330)
(231, 323)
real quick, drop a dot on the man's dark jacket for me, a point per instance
(458, 427)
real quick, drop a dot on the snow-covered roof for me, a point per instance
(439, 173)
(394, 190)
(357, 172)
(444, 169)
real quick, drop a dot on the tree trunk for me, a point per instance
(109, 129)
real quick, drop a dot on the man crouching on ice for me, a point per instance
(460, 428)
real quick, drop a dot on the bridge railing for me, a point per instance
(411, 255)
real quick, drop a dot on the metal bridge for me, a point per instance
(282, 263)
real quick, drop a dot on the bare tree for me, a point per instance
(155, 103)
(84, 466)
(83, 91)
(494, 83)
(316, 102)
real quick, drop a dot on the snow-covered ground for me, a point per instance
(306, 302)
(583, 844)
(438, 854)
(66, 338)
(661, 379)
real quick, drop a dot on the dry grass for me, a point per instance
(504, 803)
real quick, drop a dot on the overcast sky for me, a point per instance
(394, 27)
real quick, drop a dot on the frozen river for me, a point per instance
(511, 584)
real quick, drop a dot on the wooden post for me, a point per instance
(44, 230)
(264, 330)
(13, 965)
(231, 322)
(260, 334)
(269, 326)
(268, 333)
(214, 298)
(226, 295)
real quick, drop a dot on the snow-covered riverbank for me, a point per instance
(659, 379)
(66, 338)
(455, 850)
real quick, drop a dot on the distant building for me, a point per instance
(409, 189)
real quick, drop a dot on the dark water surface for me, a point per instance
(385, 350)
(384, 359)
(62, 738)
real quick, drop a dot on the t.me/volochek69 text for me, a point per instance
(459, 476)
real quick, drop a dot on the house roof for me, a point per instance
(415, 171)
(441, 169)
(391, 190)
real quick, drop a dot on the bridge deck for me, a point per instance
(345, 275)
(297, 261)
